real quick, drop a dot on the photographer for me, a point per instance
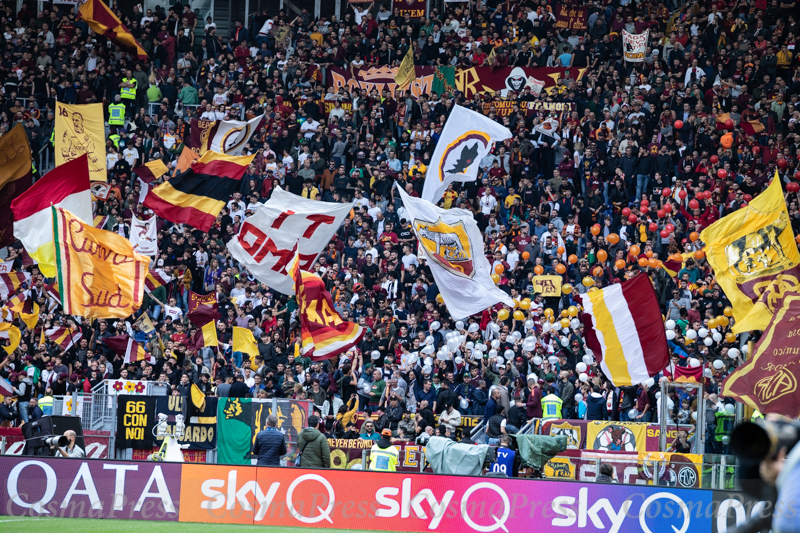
(72, 450)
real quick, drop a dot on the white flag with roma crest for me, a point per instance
(452, 245)
(467, 137)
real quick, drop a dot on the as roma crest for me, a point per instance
(463, 152)
(447, 245)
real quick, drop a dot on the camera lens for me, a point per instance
(751, 442)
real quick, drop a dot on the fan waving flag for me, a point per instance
(64, 336)
(155, 280)
(99, 274)
(196, 197)
(11, 282)
(324, 333)
(151, 171)
(625, 331)
(467, 137)
(103, 21)
(129, 348)
(65, 186)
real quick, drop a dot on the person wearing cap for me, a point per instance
(383, 457)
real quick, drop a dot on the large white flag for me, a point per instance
(144, 236)
(467, 138)
(265, 241)
(453, 247)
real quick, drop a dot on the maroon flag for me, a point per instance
(768, 381)
(196, 300)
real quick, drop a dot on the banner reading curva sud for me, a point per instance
(44, 486)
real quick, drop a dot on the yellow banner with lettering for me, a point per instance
(99, 274)
(547, 286)
(79, 130)
(754, 257)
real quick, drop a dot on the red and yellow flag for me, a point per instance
(99, 274)
(103, 21)
(324, 333)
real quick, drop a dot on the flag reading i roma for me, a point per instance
(99, 274)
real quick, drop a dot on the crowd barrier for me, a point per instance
(355, 500)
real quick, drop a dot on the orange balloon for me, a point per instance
(652, 263)
(677, 257)
(635, 250)
(649, 254)
(693, 236)
(538, 270)
(642, 262)
(526, 255)
(699, 254)
(602, 255)
(613, 238)
(598, 271)
(560, 268)
(596, 229)
(560, 250)
(499, 269)
(797, 239)
(573, 259)
(620, 264)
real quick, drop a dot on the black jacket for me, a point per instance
(270, 445)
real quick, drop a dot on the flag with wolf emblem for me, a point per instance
(452, 244)
(755, 258)
(467, 137)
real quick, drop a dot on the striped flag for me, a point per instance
(16, 304)
(64, 336)
(324, 333)
(155, 280)
(6, 389)
(103, 21)
(11, 282)
(151, 171)
(127, 346)
(99, 222)
(625, 331)
(196, 197)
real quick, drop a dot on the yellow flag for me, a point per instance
(31, 319)
(13, 334)
(755, 258)
(243, 341)
(492, 57)
(406, 72)
(79, 130)
(99, 274)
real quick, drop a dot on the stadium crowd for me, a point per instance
(626, 183)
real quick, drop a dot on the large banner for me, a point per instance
(138, 416)
(292, 416)
(196, 300)
(71, 488)
(357, 501)
(79, 130)
(469, 81)
(634, 46)
(616, 436)
(504, 107)
(572, 17)
(639, 468)
(547, 286)
(347, 453)
(576, 432)
(416, 9)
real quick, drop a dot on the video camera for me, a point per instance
(59, 441)
(754, 442)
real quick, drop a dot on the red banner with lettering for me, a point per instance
(416, 9)
(469, 81)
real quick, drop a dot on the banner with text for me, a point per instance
(469, 81)
(571, 17)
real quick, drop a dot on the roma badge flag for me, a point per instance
(80, 131)
(625, 331)
(755, 257)
(324, 333)
(99, 274)
(768, 381)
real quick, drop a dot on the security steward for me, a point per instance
(383, 457)
(116, 114)
(551, 404)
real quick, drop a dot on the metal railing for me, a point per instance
(97, 411)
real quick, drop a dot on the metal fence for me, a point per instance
(97, 411)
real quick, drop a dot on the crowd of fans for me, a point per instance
(628, 180)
